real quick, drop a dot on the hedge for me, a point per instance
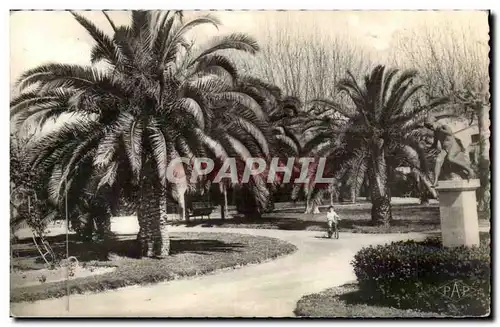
(426, 276)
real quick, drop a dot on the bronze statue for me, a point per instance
(452, 151)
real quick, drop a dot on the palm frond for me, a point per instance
(176, 34)
(160, 152)
(319, 141)
(132, 139)
(210, 63)
(109, 176)
(423, 110)
(212, 144)
(195, 109)
(52, 76)
(113, 26)
(105, 48)
(288, 142)
(399, 96)
(108, 145)
(358, 171)
(255, 132)
(352, 87)
(236, 41)
(399, 86)
(142, 29)
(389, 75)
(237, 98)
(331, 105)
(80, 152)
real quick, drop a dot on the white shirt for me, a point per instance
(332, 216)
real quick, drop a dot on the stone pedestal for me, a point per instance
(458, 211)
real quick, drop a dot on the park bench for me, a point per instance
(200, 209)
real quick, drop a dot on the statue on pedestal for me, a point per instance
(452, 158)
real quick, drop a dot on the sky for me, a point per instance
(38, 37)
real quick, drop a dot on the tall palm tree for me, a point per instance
(285, 118)
(151, 104)
(321, 123)
(378, 131)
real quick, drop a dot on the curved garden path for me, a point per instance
(269, 289)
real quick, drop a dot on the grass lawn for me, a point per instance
(356, 218)
(347, 301)
(192, 254)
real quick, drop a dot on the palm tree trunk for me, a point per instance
(153, 237)
(311, 207)
(183, 205)
(379, 188)
(224, 207)
(163, 206)
(101, 222)
(367, 188)
(162, 247)
(147, 213)
(353, 193)
(484, 157)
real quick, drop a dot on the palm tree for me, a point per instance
(320, 124)
(376, 133)
(285, 119)
(151, 104)
(78, 196)
(280, 112)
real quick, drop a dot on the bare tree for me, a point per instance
(453, 61)
(306, 65)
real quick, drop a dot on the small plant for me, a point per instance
(42, 278)
(72, 265)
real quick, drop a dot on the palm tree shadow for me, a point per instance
(263, 222)
(322, 237)
(203, 246)
(128, 248)
(122, 246)
(84, 251)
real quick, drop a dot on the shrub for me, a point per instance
(424, 275)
